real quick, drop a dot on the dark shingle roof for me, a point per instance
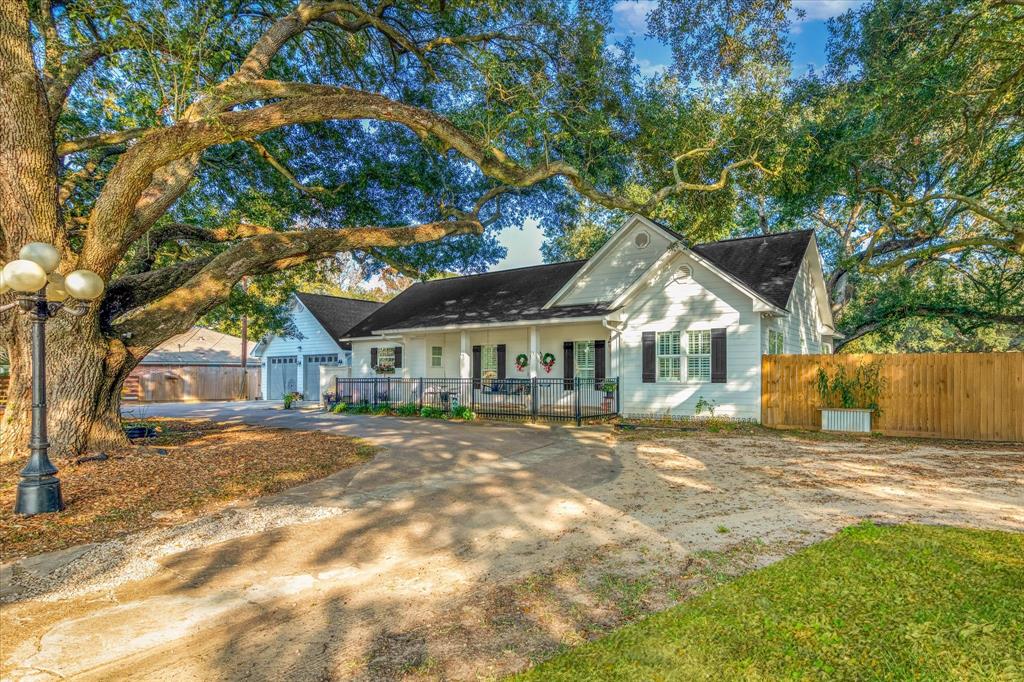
(336, 314)
(502, 296)
(767, 264)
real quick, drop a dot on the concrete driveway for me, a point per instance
(466, 550)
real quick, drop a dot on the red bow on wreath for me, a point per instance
(548, 361)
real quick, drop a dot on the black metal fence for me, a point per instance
(572, 399)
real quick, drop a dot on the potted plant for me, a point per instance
(608, 387)
(848, 399)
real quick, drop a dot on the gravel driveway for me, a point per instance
(467, 550)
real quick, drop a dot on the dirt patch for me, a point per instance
(192, 467)
(473, 552)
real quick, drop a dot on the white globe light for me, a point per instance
(55, 293)
(84, 285)
(25, 276)
(42, 253)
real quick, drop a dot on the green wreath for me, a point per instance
(548, 360)
(521, 360)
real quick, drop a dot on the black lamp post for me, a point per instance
(42, 294)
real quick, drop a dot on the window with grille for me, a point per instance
(669, 353)
(583, 354)
(698, 355)
(488, 362)
(435, 356)
(775, 342)
(386, 359)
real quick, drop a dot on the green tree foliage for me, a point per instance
(909, 161)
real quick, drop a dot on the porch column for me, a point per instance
(465, 357)
(534, 351)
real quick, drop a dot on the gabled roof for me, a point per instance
(766, 267)
(197, 346)
(336, 314)
(767, 264)
(502, 296)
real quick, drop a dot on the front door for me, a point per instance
(311, 374)
(284, 376)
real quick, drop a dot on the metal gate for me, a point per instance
(283, 377)
(311, 374)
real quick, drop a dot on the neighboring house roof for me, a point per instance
(502, 296)
(336, 314)
(768, 264)
(197, 346)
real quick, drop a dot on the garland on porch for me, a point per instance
(548, 360)
(521, 361)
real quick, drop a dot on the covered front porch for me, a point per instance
(561, 369)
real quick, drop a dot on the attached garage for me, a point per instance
(282, 376)
(311, 373)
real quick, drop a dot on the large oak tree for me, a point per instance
(175, 147)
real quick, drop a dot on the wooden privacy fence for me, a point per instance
(971, 396)
(182, 383)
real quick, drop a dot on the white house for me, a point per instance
(291, 363)
(673, 324)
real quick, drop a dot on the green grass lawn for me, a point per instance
(874, 602)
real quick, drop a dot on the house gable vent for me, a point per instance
(642, 240)
(684, 272)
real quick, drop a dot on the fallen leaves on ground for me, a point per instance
(192, 466)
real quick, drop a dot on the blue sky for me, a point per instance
(808, 35)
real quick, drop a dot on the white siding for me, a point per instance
(315, 340)
(416, 349)
(703, 300)
(617, 268)
(801, 326)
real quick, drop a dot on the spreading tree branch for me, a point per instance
(114, 218)
(178, 309)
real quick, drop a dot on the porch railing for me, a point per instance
(570, 399)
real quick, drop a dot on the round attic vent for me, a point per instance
(685, 272)
(641, 240)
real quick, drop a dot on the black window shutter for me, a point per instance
(373, 358)
(568, 369)
(600, 371)
(501, 361)
(650, 372)
(718, 371)
(476, 367)
(398, 357)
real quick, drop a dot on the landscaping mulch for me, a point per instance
(191, 466)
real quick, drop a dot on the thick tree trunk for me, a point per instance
(84, 375)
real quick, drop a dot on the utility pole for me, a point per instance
(245, 346)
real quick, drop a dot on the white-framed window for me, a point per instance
(698, 355)
(826, 348)
(488, 362)
(775, 342)
(386, 359)
(583, 359)
(435, 356)
(669, 351)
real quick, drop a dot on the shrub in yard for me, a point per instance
(407, 410)
(290, 398)
(339, 408)
(362, 408)
(464, 413)
(382, 408)
(429, 412)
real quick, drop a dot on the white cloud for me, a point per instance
(649, 68)
(631, 15)
(815, 10)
